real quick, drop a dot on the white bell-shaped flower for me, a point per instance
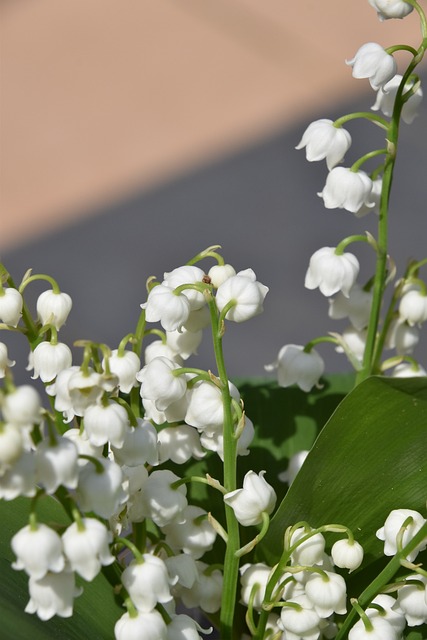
(57, 464)
(205, 409)
(125, 367)
(19, 479)
(246, 293)
(101, 492)
(387, 9)
(332, 272)
(347, 189)
(166, 307)
(198, 320)
(381, 629)
(183, 627)
(10, 306)
(411, 600)
(327, 592)
(296, 366)
(386, 97)
(159, 349)
(402, 337)
(149, 626)
(322, 139)
(140, 446)
(84, 389)
(356, 306)
(182, 570)
(353, 342)
(347, 554)
(4, 360)
(255, 498)
(53, 308)
(413, 307)
(11, 445)
(147, 583)
(192, 534)
(83, 444)
(206, 592)
(392, 526)
(106, 423)
(184, 343)
(48, 360)
(159, 384)
(52, 595)
(38, 549)
(219, 273)
(86, 548)
(310, 551)
(301, 621)
(214, 440)
(250, 575)
(188, 274)
(408, 370)
(373, 62)
(22, 406)
(162, 502)
(179, 444)
(389, 611)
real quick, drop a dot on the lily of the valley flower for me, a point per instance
(347, 189)
(86, 547)
(387, 94)
(347, 554)
(255, 498)
(48, 360)
(147, 583)
(247, 294)
(166, 307)
(356, 306)
(413, 307)
(296, 366)
(106, 423)
(159, 384)
(56, 464)
(52, 595)
(125, 367)
(38, 549)
(387, 9)
(373, 62)
(219, 273)
(332, 272)
(389, 532)
(322, 139)
(327, 592)
(4, 360)
(149, 626)
(53, 308)
(10, 306)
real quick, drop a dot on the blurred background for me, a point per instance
(135, 134)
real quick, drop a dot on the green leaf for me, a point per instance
(370, 458)
(95, 611)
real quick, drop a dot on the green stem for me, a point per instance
(373, 117)
(231, 562)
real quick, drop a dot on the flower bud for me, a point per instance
(347, 554)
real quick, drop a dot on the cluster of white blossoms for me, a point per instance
(333, 270)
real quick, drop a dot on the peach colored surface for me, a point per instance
(99, 97)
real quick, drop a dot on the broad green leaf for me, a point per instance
(370, 458)
(95, 611)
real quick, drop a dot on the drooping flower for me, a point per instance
(252, 500)
(380, 630)
(356, 306)
(57, 464)
(327, 593)
(413, 307)
(166, 307)
(245, 292)
(38, 549)
(52, 595)
(106, 423)
(11, 445)
(4, 360)
(48, 360)
(387, 94)
(387, 9)
(149, 626)
(125, 367)
(53, 308)
(103, 492)
(206, 592)
(22, 406)
(87, 548)
(411, 600)
(347, 554)
(219, 273)
(11, 303)
(139, 446)
(147, 583)
(347, 189)
(194, 534)
(322, 139)
(250, 575)
(295, 463)
(296, 366)
(332, 272)
(373, 62)
(187, 274)
(159, 384)
(161, 501)
(392, 526)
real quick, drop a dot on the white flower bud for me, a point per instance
(347, 554)
(332, 272)
(322, 139)
(219, 273)
(387, 9)
(106, 423)
(48, 360)
(296, 366)
(149, 626)
(147, 583)
(87, 549)
(347, 189)
(38, 550)
(10, 306)
(392, 526)
(53, 308)
(373, 62)
(52, 595)
(57, 464)
(125, 367)
(255, 498)
(247, 294)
